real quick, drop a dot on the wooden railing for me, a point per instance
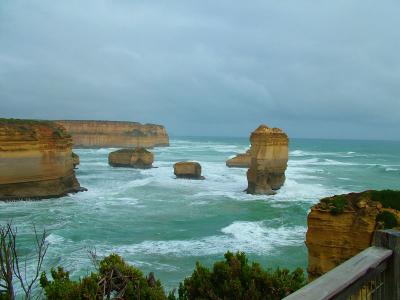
(372, 274)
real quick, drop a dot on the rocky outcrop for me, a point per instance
(340, 227)
(240, 161)
(139, 158)
(107, 134)
(75, 160)
(269, 156)
(188, 170)
(36, 160)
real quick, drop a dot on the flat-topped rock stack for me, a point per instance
(188, 170)
(115, 134)
(269, 156)
(138, 158)
(240, 161)
(36, 160)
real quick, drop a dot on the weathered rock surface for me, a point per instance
(75, 159)
(35, 160)
(138, 157)
(188, 170)
(106, 134)
(340, 227)
(240, 161)
(269, 156)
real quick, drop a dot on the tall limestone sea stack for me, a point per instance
(35, 160)
(116, 134)
(269, 156)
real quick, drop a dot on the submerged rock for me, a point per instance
(341, 226)
(36, 160)
(188, 170)
(269, 156)
(138, 157)
(240, 161)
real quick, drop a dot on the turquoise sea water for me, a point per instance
(165, 225)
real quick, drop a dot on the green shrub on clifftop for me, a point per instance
(388, 219)
(336, 204)
(236, 279)
(388, 198)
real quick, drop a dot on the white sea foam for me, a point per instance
(54, 239)
(320, 162)
(251, 237)
(300, 153)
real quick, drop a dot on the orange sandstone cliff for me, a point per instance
(35, 160)
(341, 226)
(98, 134)
(269, 156)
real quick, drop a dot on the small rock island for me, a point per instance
(269, 156)
(36, 160)
(138, 158)
(188, 170)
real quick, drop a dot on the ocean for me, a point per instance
(164, 225)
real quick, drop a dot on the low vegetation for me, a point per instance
(235, 278)
(387, 219)
(388, 198)
(335, 204)
(114, 279)
(25, 125)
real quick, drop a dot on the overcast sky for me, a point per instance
(314, 68)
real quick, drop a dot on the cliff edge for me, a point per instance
(341, 226)
(36, 160)
(110, 134)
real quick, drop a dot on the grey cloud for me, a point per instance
(315, 68)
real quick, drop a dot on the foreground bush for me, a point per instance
(114, 279)
(235, 279)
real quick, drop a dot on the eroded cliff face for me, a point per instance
(269, 156)
(340, 227)
(99, 134)
(35, 160)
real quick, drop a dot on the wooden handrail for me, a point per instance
(343, 276)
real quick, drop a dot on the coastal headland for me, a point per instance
(36, 160)
(118, 134)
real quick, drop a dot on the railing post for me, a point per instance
(390, 239)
